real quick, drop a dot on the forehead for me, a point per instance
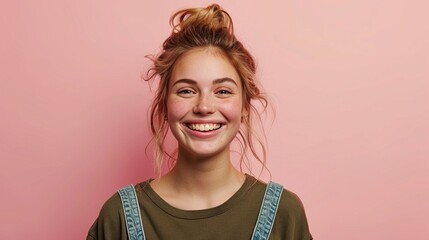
(204, 64)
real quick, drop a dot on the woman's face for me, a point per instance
(204, 104)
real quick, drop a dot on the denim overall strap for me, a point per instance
(268, 211)
(132, 213)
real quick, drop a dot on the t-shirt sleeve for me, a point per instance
(291, 221)
(109, 225)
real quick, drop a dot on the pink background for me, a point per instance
(349, 81)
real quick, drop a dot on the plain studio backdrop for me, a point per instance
(349, 81)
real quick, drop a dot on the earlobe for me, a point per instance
(244, 113)
(243, 116)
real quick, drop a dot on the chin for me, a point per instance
(204, 152)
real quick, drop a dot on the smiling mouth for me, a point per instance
(203, 127)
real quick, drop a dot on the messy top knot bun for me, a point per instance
(213, 17)
(203, 28)
(200, 27)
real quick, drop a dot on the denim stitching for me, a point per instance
(268, 211)
(132, 213)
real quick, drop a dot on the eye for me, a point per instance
(224, 92)
(185, 92)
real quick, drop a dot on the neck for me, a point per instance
(204, 174)
(199, 183)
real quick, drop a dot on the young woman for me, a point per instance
(206, 98)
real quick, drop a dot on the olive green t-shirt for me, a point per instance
(234, 219)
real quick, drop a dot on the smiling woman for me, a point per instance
(212, 100)
(206, 98)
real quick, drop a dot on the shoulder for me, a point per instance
(291, 218)
(291, 205)
(110, 221)
(112, 208)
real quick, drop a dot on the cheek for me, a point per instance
(233, 109)
(176, 108)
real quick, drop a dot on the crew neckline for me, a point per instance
(202, 213)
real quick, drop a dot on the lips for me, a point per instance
(203, 127)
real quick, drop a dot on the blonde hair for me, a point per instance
(198, 28)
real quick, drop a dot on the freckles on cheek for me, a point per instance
(232, 107)
(176, 107)
(235, 108)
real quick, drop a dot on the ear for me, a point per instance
(244, 114)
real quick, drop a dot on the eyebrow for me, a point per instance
(216, 81)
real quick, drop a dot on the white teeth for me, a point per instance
(204, 127)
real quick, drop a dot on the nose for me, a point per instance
(204, 104)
